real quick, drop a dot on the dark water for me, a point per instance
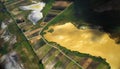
(109, 20)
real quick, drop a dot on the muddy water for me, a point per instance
(88, 41)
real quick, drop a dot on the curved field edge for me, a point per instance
(68, 16)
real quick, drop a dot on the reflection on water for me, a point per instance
(105, 13)
(88, 41)
(36, 13)
(35, 7)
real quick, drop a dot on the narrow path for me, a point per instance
(9, 13)
(56, 46)
(46, 41)
(62, 52)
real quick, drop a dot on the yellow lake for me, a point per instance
(90, 41)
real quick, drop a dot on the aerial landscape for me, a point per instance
(59, 34)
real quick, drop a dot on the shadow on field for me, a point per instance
(104, 13)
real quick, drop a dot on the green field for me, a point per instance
(68, 15)
(22, 47)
